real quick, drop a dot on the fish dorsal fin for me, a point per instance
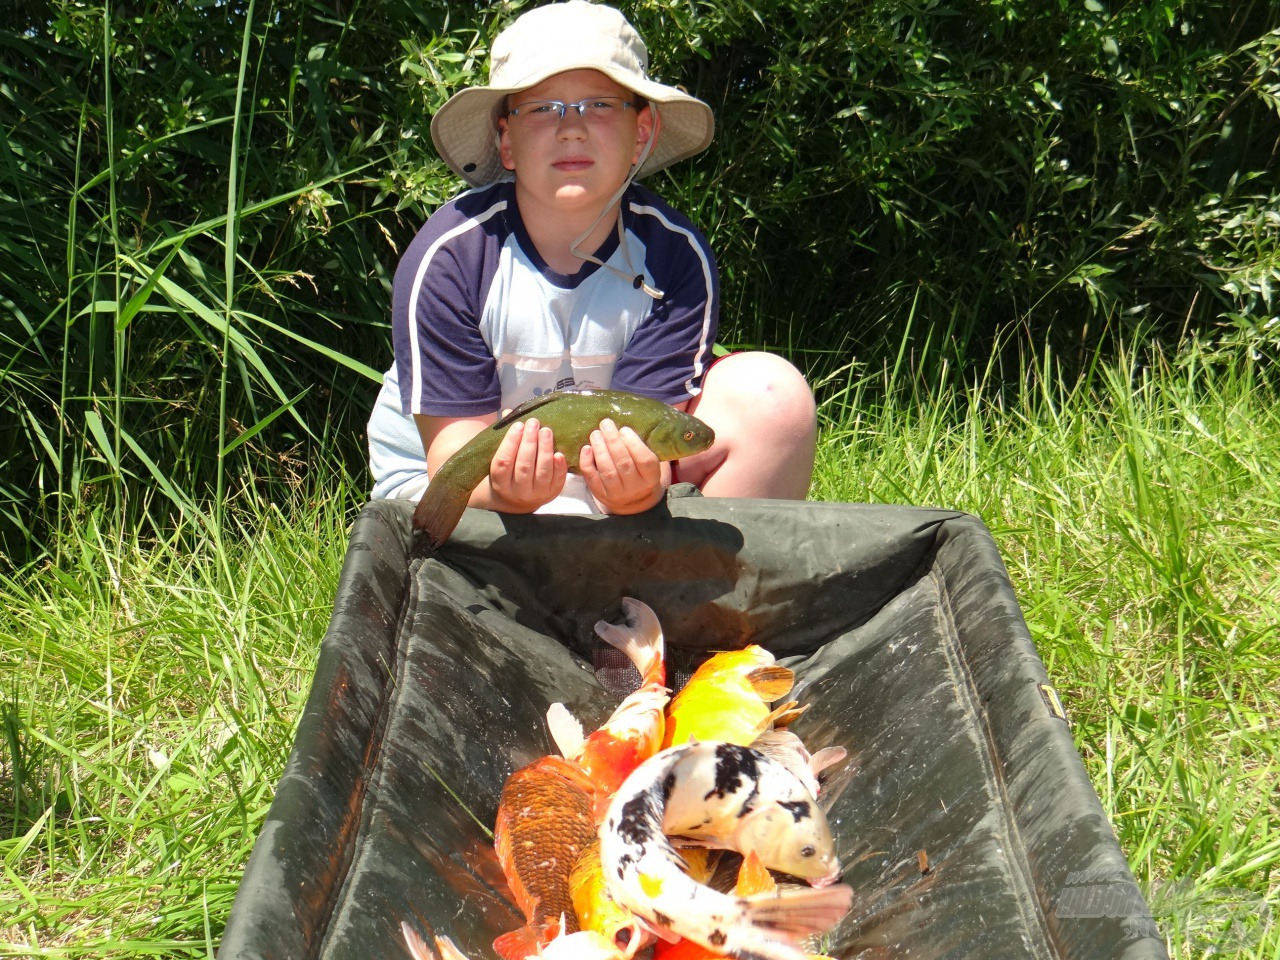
(787, 713)
(754, 877)
(520, 411)
(566, 731)
(771, 683)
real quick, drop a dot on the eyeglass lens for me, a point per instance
(592, 110)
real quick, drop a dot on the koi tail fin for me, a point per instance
(640, 638)
(769, 926)
(439, 511)
(797, 912)
(522, 943)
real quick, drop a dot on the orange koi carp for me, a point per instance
(545, 821)
(634, 732)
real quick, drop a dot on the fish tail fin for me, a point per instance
(772, 682)
(439, 511)
(797, 912)
(769, 926)
(518, 944)
(640, 638)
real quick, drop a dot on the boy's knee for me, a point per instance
(761, 386)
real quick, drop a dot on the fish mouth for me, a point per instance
(827, 879)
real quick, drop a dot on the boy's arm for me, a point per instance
(526, 471)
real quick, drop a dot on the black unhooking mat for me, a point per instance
(964, 818)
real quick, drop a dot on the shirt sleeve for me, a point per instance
(444, 366)
(668, 354)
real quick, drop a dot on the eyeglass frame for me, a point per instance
(579, 105)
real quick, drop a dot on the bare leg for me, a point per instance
(762, 411)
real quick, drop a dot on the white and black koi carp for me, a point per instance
(724, 796)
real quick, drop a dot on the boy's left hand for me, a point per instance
(622, 473)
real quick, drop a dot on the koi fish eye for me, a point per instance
(807, 851)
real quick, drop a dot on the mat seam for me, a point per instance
(377, 738)
(956, 656)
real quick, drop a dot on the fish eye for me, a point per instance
(688, 434)
(807, 851)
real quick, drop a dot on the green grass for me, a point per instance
(150, 699)
(1139, 517)
(151, 688)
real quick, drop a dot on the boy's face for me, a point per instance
(572, 164)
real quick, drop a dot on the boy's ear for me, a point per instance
(502, 141)
(648, 125)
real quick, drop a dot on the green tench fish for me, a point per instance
(571, 415)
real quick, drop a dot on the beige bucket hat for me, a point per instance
(552, 39)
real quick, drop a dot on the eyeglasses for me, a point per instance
(547, 113)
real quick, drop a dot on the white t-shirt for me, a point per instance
(481, 323)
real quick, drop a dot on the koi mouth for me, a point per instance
(827, 879)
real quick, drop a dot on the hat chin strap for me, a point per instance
(635, 277)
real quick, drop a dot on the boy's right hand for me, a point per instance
(526, 471)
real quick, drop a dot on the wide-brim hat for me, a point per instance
(577, 35)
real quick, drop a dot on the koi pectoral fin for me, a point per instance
(772, 682)
(826, 757)
(566, 731)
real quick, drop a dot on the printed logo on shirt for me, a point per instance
(564, 383)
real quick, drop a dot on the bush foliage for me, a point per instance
(202, 203)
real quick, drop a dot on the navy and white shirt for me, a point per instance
(481, 323)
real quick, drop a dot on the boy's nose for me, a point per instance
(571, 126)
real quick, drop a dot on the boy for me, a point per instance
(558, 270)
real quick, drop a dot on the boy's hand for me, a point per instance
(623, 474)
(526, 471)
